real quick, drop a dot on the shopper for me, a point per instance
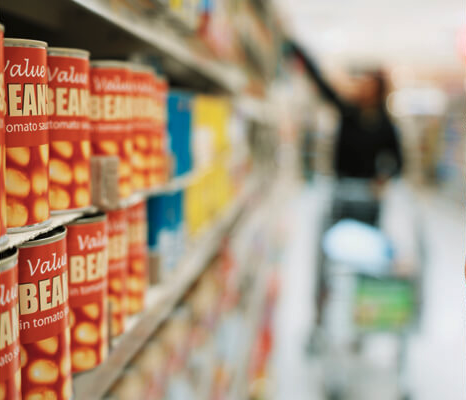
(366, 144)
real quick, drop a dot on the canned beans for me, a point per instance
(117, 269)
(2, 145)
(27, 149)
(87, 261)
(159, 165)
(138, 257)
(110, 113)
(43, 309)
(10, 363)
(70, 146)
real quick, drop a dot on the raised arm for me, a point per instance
(313, 71)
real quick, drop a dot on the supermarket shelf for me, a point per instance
(178, 183)
(167, 41)
(161, 300)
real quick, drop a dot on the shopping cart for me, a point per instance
(360, 297)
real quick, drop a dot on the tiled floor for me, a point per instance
(435, 366)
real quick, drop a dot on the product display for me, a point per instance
(110, 114)
(3, 238)
(69, 128)
(114, 182)
(87, 242)
(27, 136)
(117, 225)
(10, 361)
(137, 257)
(44, 317)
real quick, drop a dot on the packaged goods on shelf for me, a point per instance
(117, 270)
(148, 129)
(3, 238)
(27, 137)
(138, 257)
(87, 241)
(179, 107)
(69, 128)
(111, 113)
(43, 320)
(10, 367)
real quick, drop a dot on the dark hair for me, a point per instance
(379, 78)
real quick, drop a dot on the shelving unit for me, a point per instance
(161, 299)
(16, 239)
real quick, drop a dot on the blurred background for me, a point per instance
(351, 265)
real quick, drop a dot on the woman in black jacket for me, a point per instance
(366, 145)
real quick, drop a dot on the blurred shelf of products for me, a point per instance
(230, 200)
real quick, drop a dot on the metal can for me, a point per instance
(111, 113)
(144, 127)
(87, 262)
(27, 136)
(43, 317)
(117, 269)
(70, 146)
(161, 168)
(10, 361)
(3, 238)
(137, 256)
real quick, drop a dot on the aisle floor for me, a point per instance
(435, 367)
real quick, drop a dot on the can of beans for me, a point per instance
(10, 362)
(3, 238)
(117, 269)
(87, 262)
(43, 317)
(69, 128)
(111, 113)
(26, 134)
(162, 166)
(144, 127)
(137, 256)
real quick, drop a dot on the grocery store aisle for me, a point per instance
(437, 353)
(294, 376)
(435, 367)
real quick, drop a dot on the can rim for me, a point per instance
(68, 51)
(2, 28)
(17, 42)
(51, 236)
(110, 64)
(98, 216)
(7, 257)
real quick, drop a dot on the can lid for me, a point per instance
(8, 258)
(68, 52)
(98, 216)
(54, 235)
(15, 42)
(110, 64)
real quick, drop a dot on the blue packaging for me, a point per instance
(179, 107)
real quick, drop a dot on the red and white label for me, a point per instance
(43, 291)
(87, 262)
(27, 139)
(2, 142)
(9, 334)
(138, 257)
(26, 88)
(117, 268)
(110, 114)
(44, 324)
(68, 98)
